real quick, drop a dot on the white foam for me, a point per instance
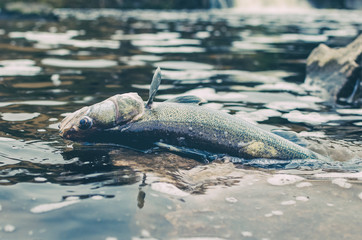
(19, 67)
(202, 35)
(72, 198)
(356, 175)
(182, 49)
(5, 139)
(304, 184)
(165, 43)
(55, 78)
(284, 179)
(111, 238)
(92, 63)
(40, 179)
(186, 75)
(290, 105)
(54, 126)
(184, 65)
(302, 198)
(142, 238)
(97, 197)
(274, 213)
(210, 94)
(259, 115)
(93, 43)
(281, 86)
(140, 60)
(48, 40)
(350, 111)
(277, 213)
(342, 183)
(169, 189)
(52, 206)
(247, 234)
(59, 52)
(201, 238)
(289, 202)
(18, 116)
(271, 6)
(231, 200)
(34, 102)
(145, 233)
(303, 38)
(9, 228)
(313, 118)
(254, 46)
(149, 36)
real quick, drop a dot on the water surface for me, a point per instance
(250, 65)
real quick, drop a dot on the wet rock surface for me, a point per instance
(336, 72)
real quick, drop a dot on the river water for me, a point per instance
(248, 64)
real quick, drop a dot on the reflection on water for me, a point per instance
(249, 65)
(18, 67)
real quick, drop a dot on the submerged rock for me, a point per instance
(336, 73)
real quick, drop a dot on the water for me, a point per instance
(274, 5)
(250, 65)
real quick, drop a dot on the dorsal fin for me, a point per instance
(156, 81)
(191, 99)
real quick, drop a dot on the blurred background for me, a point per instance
(179, 4)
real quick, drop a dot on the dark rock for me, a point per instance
(335, 73)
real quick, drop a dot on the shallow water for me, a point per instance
(250, 65)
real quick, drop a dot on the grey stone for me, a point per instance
(335, 73)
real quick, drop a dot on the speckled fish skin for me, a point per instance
(203, 128)
(181, 122)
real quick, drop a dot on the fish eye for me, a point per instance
(85, 123)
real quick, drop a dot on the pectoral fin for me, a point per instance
(156, 81)
(203, 156)
(191, 99)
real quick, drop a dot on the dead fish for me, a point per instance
(179, 124)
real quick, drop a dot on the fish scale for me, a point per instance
(215, 131)
(178, 122)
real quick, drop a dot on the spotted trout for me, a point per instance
(179, 123)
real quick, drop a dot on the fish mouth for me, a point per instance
(73, 133)
(67, 133)
(68, 128)
(63, 129)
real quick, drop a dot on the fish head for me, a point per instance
(114, 111)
